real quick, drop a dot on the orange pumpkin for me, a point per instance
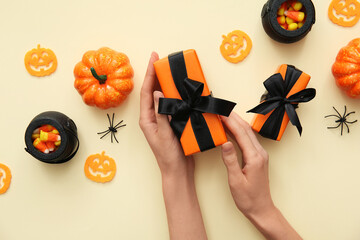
(100, 168)
(345, 13)
(5, 178)
(346, 68)
(104, 78)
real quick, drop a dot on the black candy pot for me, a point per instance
(273, 28)
(68, 133)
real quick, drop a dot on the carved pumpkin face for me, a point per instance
(100, 168)
(40, 61)
(5, 178)
(345, 13)
(235, 46)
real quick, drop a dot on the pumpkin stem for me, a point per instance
(101, 78)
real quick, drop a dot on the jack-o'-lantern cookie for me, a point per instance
(345, 13)
(5, 178)
(235, 46)
(100, 168)
(40, 61)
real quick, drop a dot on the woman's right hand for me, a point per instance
(249, 185)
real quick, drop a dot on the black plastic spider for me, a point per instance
(341, 120)
(112, 129)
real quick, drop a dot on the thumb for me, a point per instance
(231, 162)
(162, 120)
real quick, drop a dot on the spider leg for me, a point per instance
(344, 110)
(112, 133)
(109, 119)
(347, 127)
(120, 126)
(334, 127)
(105, 134)
(342, 126)
(337, 112)
(351, 122)
(112, 122)
(332, 115)
(118, 123)
(349, 114)
(116, 138)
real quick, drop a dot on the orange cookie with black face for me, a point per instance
(40, 61)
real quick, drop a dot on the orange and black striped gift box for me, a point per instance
(285, 90)
(194, 112)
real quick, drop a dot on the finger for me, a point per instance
(250, 132)
(239, 132)
(231, 162)
(161, 119)
(190, 165)
(147, 89)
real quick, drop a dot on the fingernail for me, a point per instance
(156, 97)
(226, 147)
(154, 55)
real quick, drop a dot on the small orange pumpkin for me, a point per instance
(345, 13)
(5, 178)
(40, 61)
(104, 78)
(235, 46)
(346, 68)
(100, 168)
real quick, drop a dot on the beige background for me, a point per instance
(314, 178)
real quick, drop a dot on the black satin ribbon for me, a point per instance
(192, 104)
(275, 99)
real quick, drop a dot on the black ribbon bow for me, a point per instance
(275, 99)
(192, 104)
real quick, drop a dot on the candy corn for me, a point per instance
(45, 128)
(289, 20)
(297, 6)
(291, 11)
(50, 146)
(40, 145)
(281, 20)
(35, 136)
(292, 26)
(284, 26)
(46, 138)
(294, 15)
(282, 9)
(300, 24)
